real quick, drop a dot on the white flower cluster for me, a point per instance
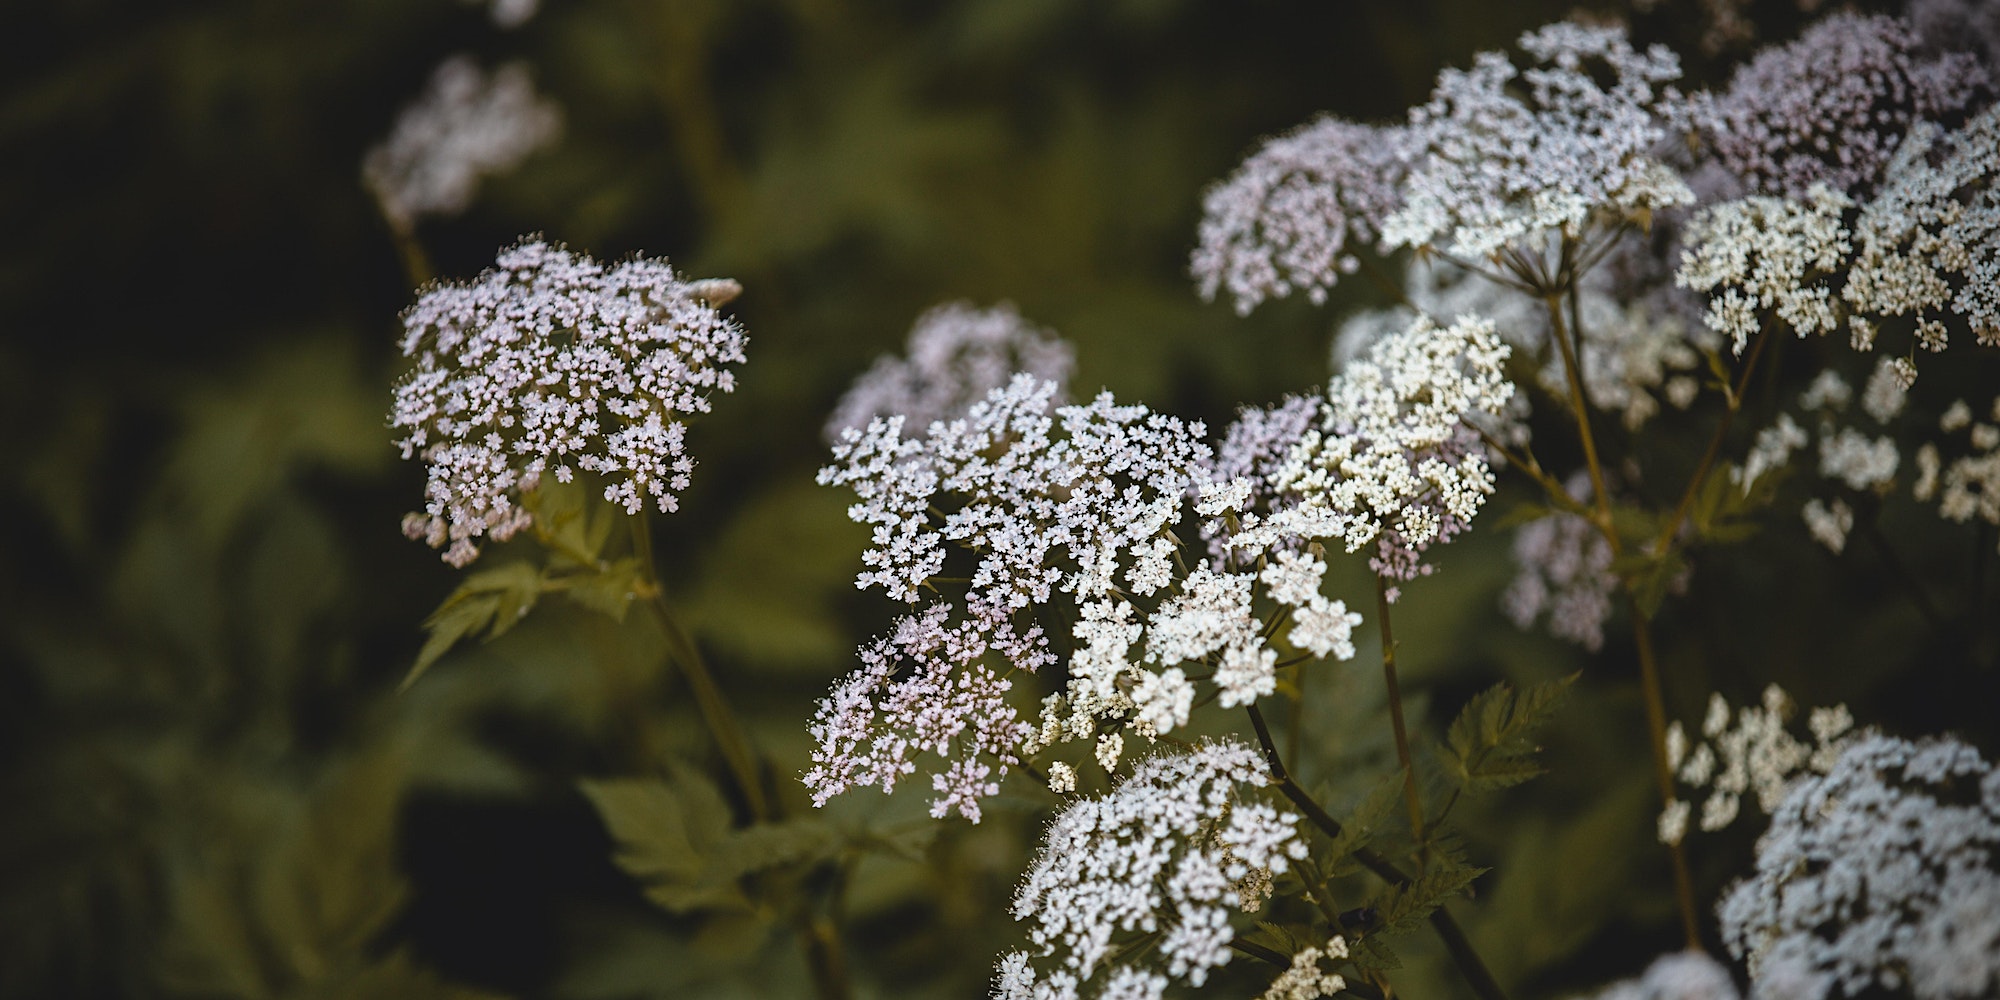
(1767, 253)
(550, 362)
(926, 687)
(1970, 486)
(465, 126)
(1754, 754)
(1563, 570)
(1284, 219)
(1684, 975)
(1878, 874)
(1632, 354)
(1395, 459)
(1164, 852)
(1507, 156)
(1077, 504)
(1304, 980)
(1925, 248)
(1858, 460)
(957, 353)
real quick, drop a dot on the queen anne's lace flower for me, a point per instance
(1754, 754)
(956, 355)
(1284, 220)
(1305, 980)
(1831, 107)
(1763, 253)
(1685, 975)
(1161, 852)
(1879, 873)
(926, 687)
(1394, 459)
(549, 363)
(466, 125)
(1507, 155)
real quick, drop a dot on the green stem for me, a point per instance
(1410, 796)
(1663, 775)
(715, 711)
(1578, 408)
(1672, 525)
(1455, 944)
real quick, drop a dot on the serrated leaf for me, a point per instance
(493, 599)
(769, 845)
(1403, 906)
(1489, 745)
(1357, 827)
(668, 835)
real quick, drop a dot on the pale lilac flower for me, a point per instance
(1878, 874)
(1253, 449)
(1162, 851)
(1958, 26)
(1831, 107)
(957, 353)
(927, 687)
(1284, 221)
(1511, 156)
(1562, 569)
(551, 363)
(467, 125)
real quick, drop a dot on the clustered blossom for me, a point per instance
(550, 362)
(926, 687)
(509, 14)
(1925, 249)
(1507, 155)
(1253, 449)
(1877, 874)
(1970, 486)
(466, 125)
(1685, 975)
(1395, 459)
(957, 354)
(1304, 980)
(1164, 851)
(1765, 253)
(1075, 503)
(1754, 754)
(1831, 107)
(1971, 26)
(1284, 220)
(1563, 570)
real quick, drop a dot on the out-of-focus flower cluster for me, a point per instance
(1832, 107)
(1563, 570)
(1684, 975)
(467, 125)
(1751, 753)
(1924, 250)
(1168, 850)
(1283, 221)
(550, 363)
(957, 353)
(1877, 874)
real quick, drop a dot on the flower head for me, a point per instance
(1163, 851)
(1285, 219)
(467, 125)
(956, 355)
(1506, 155)
(549, 363)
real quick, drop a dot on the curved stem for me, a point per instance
(715, 711)
(1663, 775)
(1410, 796)
(1455, 944)
(1672, 525)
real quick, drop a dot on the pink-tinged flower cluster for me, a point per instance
(927, 687)
(1284, 220)
(1168, 850)
(957, 353)
(1831, 107)
(1563, 571)
(467, 125)
(551, 363)
(1510, 156)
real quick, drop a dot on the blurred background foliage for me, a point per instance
(211, 786)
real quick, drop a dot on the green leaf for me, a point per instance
(608, 591)
(668, 833)
(1359, 826)
(1489, 745)
(493, 599)
(1402, 907)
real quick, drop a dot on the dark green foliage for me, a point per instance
(1490, 745)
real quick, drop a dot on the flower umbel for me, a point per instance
(550, 363)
